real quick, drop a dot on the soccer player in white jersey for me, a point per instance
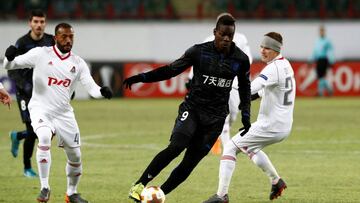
(57, 71)
(276, 86)
(240, 41)
(5, 97)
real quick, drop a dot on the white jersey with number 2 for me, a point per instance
(276, 85)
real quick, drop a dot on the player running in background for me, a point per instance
(276, 85)
(23, 82)
(240, 41)
(202, 115)
(5, 97)
(57, 71)
(323, 55)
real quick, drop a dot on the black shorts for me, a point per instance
(23, 102)
(196, 128)
(322, 65)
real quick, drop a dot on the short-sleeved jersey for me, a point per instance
(23, 77)
(214, 73)
(55, 77)
(276, 85)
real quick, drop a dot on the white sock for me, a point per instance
(73, 173)
(43, 158)
(263, 161)
(226, 170)
(43, 155)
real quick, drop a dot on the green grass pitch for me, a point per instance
(320, 161)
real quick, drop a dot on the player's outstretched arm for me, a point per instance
(12, 61)
(245, 96)
(132, 80)
(10, 53)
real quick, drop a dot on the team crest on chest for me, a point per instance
(50, 63)
(73, 69)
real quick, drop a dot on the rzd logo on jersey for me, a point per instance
(54, 81)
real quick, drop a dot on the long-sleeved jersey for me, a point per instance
(276, 85)
(55, 77)
(23, 77)
(323, 50)
(214, 73)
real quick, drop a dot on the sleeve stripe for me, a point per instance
(263, 76)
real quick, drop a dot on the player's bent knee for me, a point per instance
(230, 149)
(44, 135)
(73, 155)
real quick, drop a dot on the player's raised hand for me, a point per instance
(10, 52)
(132, 80)
(106, 92)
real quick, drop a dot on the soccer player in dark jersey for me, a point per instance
(36, 37)
(202, 114)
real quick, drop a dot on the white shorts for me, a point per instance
(254, 140)
(63, 125)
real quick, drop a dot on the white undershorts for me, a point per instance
(255, 140)
(63, 125)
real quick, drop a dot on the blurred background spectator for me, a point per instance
(183, 9)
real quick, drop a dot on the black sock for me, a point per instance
(28, 149)
(21, 135)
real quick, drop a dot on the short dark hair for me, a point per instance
(225, 19)
(37, 13)
(276, 36)
(61, 25)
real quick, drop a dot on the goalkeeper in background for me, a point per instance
(323, 56)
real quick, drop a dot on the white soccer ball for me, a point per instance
(152, 194)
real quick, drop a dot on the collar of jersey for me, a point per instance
(60, 54)
(278, 57)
